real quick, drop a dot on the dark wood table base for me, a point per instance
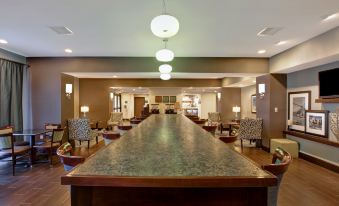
(87, 195)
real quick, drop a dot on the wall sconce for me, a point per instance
(261, 90)
(84, 109)
(111, 95)
(289, 123)
(236, 109)
(68, 90)
(219, 96)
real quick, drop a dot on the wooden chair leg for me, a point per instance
(13, 164)
(88, 144)
(80, 142)
(50, 156)
(97, 140)
(242, 147)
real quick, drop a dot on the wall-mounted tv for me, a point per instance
(329, 83)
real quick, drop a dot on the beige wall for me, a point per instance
(208, 104)
(317, 51)
(246, 93)
(230, 97)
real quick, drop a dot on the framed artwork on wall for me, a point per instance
(254, 103)
(173, 99)
(298, 103)
(165, 99)
(317, 122)
(158, 99)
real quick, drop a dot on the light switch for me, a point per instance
(41, 136)
(275, 109)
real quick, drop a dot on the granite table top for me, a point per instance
(168, 147)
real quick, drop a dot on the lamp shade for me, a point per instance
(236, 109)
(165, 76)
(165, 26)
(164, 55)
(165, 69)
(68, 88)
(84, 109)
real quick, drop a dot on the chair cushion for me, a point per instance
(47, 145)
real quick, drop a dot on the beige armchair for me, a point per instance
(115, 119)
(214, 118)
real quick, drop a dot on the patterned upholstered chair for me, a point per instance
(9, 149)
(250, 129)
(280, 162)
(115, 119)
(80, 129)
(214, 118)
(65, 152)
(51, 145)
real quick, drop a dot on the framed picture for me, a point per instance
(298, 103)
(317, 122)
(254, 103)
(165, 99)
(173, 99)
(158, 99)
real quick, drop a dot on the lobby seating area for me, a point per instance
(169, 103)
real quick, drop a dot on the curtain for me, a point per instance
(11, 82)
(26, 99)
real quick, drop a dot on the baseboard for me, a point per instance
(319, 162)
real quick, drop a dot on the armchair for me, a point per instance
(250, 129)
(115, 119)
(79, 129)
(214, 118)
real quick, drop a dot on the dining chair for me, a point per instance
(65, 152)
(115, 119)
(228, 139)
(280, 163)
(210, 128)
(51, 145)
(9, 149)
(80, 130)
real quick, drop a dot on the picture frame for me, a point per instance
(254, 103)
(316, 122)
(165, 99)
(158, 99)
(173, 99)
(298, 103)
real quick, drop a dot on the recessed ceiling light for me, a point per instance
(133, 89)
(254, 81)
(2, 41)
(68, 51)
(115, 76)
(262, 51)
(281, 43)
(329, 17)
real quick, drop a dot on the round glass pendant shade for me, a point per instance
(165, 69)
(164, 55)
(165, 76)
(164, 26)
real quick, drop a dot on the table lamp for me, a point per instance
(236, 109)
(84, 109)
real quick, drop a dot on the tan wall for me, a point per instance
(317, 51)
(46, 72)
(230, 97)
(68, 105)
(246, 93)
(275, 97)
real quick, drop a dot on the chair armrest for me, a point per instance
(72, 160)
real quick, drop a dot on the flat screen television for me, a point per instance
(329, 83)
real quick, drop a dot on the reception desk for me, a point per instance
(168, 160)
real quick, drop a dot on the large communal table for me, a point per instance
(168, 160)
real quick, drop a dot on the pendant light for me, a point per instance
(164, 55)
(164, 25)
(165, 76)
(165, 69)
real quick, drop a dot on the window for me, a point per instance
(116, 102)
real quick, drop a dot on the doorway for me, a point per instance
(139, 103)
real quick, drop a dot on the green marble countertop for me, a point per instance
(168, 146)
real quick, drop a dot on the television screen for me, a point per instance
(329, 83)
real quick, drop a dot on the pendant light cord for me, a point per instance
(164, 6)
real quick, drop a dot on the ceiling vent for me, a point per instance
(61, 30)
(269, 31)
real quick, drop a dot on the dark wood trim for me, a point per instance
(327, 100)
(169, 182)
(310, 137)
(319, 162)
(299, 92)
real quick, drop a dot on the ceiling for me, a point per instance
(172, 90)
(155, 75)
(215, 28)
